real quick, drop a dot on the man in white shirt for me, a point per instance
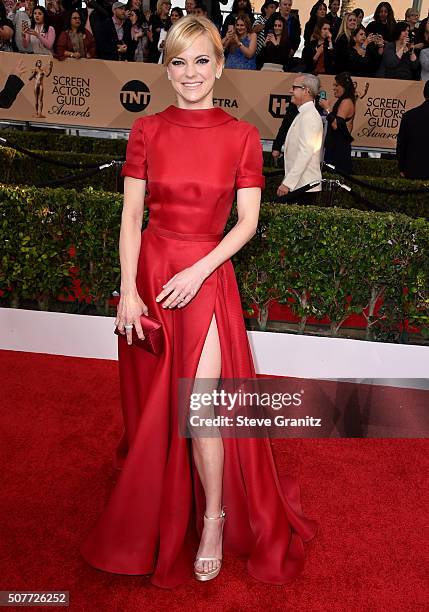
(303, 144)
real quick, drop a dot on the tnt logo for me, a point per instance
(278, 105)
(135, 96)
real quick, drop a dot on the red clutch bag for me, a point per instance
(153, 338)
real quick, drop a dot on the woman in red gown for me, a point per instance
(165, 516)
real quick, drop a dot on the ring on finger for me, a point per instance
(129, 326)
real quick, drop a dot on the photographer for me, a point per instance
(399, 58)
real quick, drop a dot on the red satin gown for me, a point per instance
(193, 161)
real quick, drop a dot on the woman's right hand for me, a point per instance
(130, 307)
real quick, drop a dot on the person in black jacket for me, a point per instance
(384, 22)
(413, 136)
(13, 86)
(364, 54)
(113, 35)
(278, 142)
(318, 53)
(291, 113)
(333, 18)
(317, 13)
(276, 47)
(293, 27)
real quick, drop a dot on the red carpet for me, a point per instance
(60, 422)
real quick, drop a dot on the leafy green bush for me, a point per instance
(19, 169)
(322, 262)
(331, 262)
(54, 141)
(413, 205)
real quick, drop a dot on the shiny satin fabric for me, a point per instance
(153, 340)
(153, 519)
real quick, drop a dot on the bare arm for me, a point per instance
(250, 51)
(131, 305)
(345, 110)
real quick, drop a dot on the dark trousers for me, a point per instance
(307, 198)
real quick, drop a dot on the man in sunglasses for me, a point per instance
(303, 144)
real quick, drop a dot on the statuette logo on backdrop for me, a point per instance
(135, 96)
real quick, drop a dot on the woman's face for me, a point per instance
(240, 27)
(335, 7)
(278, 27)
(38, 16)
(321, 11)
(174, 16)
(338, 90)
(165, 8)
(351, 22)
(404, 35)
(360, 37)
(190, 6)
(359, 18)
(135, 5)
(270, 10)
(75, 20)
(413, 18)
(383, 14)
(325, 31)
(193, 73)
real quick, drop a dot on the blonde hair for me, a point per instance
(411, 11)
(159, 4)
(183, 33)
(344, 28)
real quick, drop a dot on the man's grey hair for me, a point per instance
(311, 82)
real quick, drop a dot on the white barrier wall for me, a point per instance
(277, 354)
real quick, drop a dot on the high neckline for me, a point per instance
(196, 117)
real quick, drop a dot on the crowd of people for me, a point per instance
(334, 41)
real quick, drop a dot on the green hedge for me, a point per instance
(55, 141)
(323, 262)
(413, 205)
(361, 166)
(19, 169)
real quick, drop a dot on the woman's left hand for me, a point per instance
(182, 287)
(325, 105)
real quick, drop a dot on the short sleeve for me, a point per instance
(136, 162)
(249, 170)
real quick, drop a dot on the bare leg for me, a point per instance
(208, 456)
